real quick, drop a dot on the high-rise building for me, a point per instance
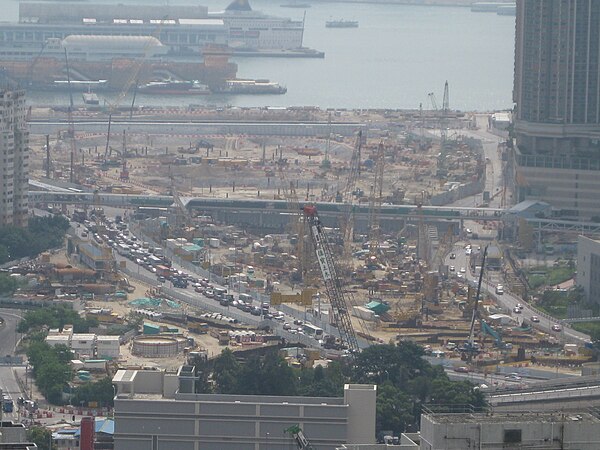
(557, 96)
(14, 158)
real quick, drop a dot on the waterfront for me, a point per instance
(396, 57)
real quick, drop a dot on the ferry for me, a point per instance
(174, 87)
(341, 23)
(242, 86)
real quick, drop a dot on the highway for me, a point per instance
(8, 342)
(508, 301)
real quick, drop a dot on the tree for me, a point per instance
(394, 409)
(226, 372)
(40, 436)
(100, 392)
(8, 285)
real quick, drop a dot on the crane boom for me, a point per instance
(375, 201)
(470, 346)
(333, 287)
(348, 196)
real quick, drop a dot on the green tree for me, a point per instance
(40, 436)
(394, 408)
(8, 285)
(226, 372)
(100, 392)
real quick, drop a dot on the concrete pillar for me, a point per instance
(361, 400)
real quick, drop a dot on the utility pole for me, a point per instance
(48, 156)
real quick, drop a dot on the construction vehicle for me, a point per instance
(339, 304)
(299, 437)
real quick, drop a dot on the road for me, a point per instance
(508, 301)
(8, 342)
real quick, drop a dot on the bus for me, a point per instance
(123, 250)
(7, 404)
(312, 330)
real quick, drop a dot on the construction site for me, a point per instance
(360, 279)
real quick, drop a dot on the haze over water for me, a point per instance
(396, 57)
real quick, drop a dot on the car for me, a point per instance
(520, 306)
(556, 327)
(535, 319)
(513, 377)
(463, 270)
(287, 326)
(468, 230)
(499, 289)
(517, 310)
(461, 369)
(459, 275)
(451, 268)
(452, 255)
(468, 251)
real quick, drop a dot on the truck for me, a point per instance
(163, 271)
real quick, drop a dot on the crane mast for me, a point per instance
(333, 287)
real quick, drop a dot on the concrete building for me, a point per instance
(500, 431)
(85, 345)
(13, 436)
(156, 410)
(557, 96)
(108, 347)
(14, 158)
(588, 268)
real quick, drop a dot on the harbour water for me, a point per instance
(394, 59)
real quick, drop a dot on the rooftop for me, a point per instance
(519, 417)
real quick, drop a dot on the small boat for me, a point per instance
(341, 23)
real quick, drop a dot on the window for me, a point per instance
(512, 436)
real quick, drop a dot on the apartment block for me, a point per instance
(14, 158)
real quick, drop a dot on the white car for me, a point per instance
(451, 268)
(463, 270)
(468, 251)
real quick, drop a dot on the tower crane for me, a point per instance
(339, 303)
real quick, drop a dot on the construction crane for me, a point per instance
(375, 200)
(347, 197)
(444, 111)
(471, 347)
(339, 304)
(71, 123)
(133, 78)
(297, 219)
(299, 437)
